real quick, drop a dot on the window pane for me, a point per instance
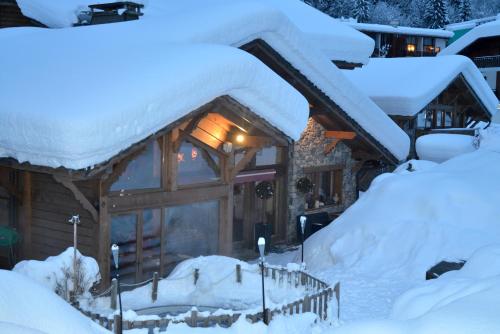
(151, 242)
(196, 165)
(124, 234)
(191, 230)
(325, 190)
(267, 156)
(447, 119)
(143, 172)
(429, 115)
(421, 120)
(439, 119)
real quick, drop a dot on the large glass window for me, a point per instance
(143, 172)
(268, 156)
(191, 230)
(124, 234)
(196, 165)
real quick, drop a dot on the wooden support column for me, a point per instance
(26, 216)
(227, 207)
(103, 238)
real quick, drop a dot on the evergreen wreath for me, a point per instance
(304, 185)
(264, 190)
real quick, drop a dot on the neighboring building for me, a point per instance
(161, 146)
(482, 45)
(461, 28)
(397, 41)
(428, 95)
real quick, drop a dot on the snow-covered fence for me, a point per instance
(318, 296)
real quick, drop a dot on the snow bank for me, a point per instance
(460, 302)
(442, 147)
(215, 287)
(67, 85)
(484, 30)
(53, 270)
(407, 87)
(27, 307)
(406, 223)
(416, 166)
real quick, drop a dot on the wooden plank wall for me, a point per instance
(53, 205)
(11, 16)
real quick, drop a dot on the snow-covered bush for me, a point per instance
(56, 273)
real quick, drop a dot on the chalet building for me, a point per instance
(12, 16)
(396, 41)
(175, 157)
(445, 94)
(482, 46)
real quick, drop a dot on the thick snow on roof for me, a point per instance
(401, 30)
(104, 64)
(335, 39)
(404, 86)
(338, 41)
(484, 30)
(75, 106)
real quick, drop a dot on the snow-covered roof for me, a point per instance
(335, 39)
(404, 86)
(125, 71)
(484, 30)
(75, 106)
(441, 33)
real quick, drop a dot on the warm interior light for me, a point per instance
(240, 138)
(410, 47)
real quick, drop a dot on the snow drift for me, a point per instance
(28, 307)
(441, 147)
(405, 223)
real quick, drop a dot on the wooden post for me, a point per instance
(118, 324)
(196, 275)
(238, 273)
(337, 296)
(26, 216)
(154, 292)
(114, 293)
(194, 318)
(306, 304)
(103, 234)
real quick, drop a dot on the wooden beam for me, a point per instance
(193, 123)
(103, 236)
(257, 141)
(244, 161)
(79, 196)
(340, 134)
(26, 216)
(331, 146)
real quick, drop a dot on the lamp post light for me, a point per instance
(75, 220)
(303, 220)
(115, 250)
(262, 246)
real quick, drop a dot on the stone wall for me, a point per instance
(309, 152)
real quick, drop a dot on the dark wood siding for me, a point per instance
(11, 16)
(53, 205)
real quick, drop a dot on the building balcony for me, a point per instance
(487, 61)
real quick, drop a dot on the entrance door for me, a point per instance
(249, 209)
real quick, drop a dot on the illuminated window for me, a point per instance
(196, 165)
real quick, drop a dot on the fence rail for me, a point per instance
(316, 301)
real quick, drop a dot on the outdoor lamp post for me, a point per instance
(115, 250)
(303, 220)
(262, 246)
